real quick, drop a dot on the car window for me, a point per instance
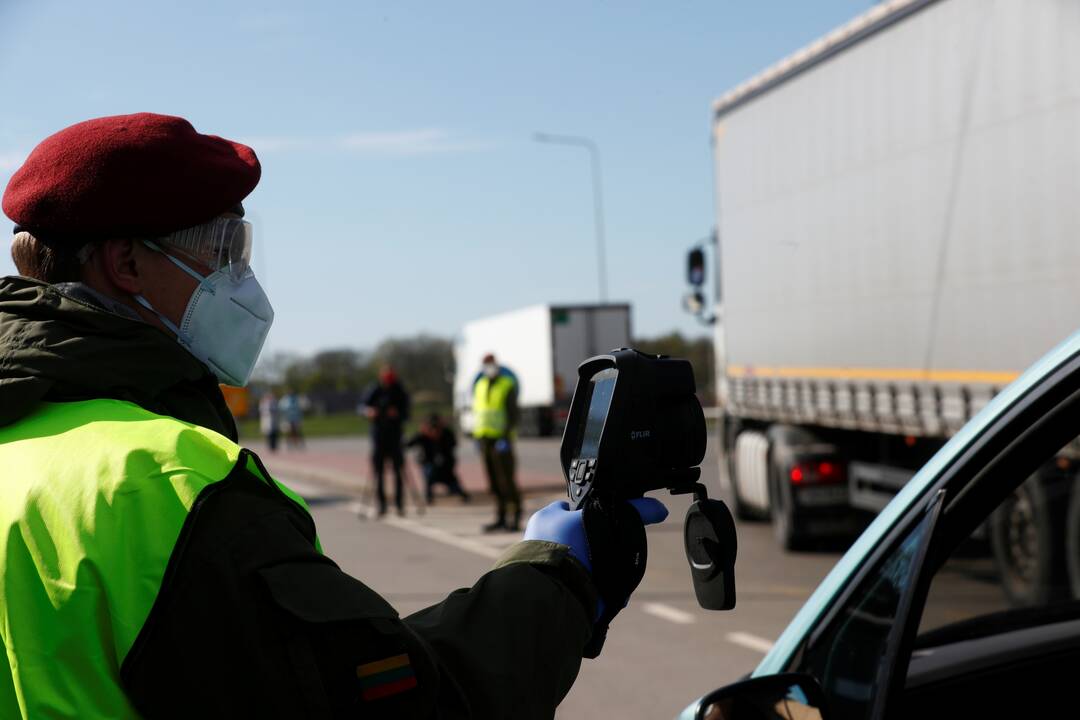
(1002, 609)
(1015, 568)
(860, 647)
(846, 657)
(1015, 559)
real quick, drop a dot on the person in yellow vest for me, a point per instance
(495, 419)
(149, 565)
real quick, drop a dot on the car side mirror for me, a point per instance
(788, 695)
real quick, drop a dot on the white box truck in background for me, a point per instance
(543, 346)
(898, 235)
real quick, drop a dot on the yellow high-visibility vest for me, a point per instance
(490, 419)
(94, 497)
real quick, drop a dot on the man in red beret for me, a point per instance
(149, 565)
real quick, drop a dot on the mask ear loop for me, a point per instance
(203, 280)
(184, 338)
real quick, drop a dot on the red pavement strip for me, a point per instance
(330, 467)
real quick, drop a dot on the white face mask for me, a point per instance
(491, 370)
(225, 323)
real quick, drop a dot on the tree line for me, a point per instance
(334, 380)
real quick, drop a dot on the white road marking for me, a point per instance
(307, 490)
(666, 612)
(438, 535)
(751, 642)
(321, 477)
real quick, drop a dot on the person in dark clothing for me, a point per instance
(386, 405)
(438, 457)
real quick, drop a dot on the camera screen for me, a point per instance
(601, 388)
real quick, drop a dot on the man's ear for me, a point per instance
(121, 266)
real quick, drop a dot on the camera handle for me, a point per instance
(710, 542)
(618, 549)
(708, 536)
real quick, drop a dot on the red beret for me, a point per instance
(127, 176)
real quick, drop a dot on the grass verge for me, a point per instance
(315, 426)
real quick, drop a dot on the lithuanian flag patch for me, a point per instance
(384, 678)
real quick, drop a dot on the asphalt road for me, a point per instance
(662, 651)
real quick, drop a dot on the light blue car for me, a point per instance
(875, 640)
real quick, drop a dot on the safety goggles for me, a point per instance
(221, 244)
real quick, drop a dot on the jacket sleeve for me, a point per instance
(513, 413)
(252, 620)
(513, 642)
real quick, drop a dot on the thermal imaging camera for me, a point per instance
(636, 425)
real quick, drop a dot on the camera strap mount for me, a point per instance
(711, 546)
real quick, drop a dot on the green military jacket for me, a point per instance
(241, 615)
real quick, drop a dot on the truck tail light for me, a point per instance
(819, 472)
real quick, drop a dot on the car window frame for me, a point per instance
(1037, 382)
(838, 637)
(891, 522)
(968, 503)
(897, 649)
(1022, 413)
(1012, 428)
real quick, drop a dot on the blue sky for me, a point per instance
(402, 191)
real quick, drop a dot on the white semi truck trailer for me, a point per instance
(898, 236)
(543, 346)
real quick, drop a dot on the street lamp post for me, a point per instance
(598, 196)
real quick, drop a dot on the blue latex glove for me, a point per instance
(502, 445)
(558, 523)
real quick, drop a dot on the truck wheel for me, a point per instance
(741, 510)
(787, 526)
(1026, 536)
(1072, 542)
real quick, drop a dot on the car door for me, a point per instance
(859, 645)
